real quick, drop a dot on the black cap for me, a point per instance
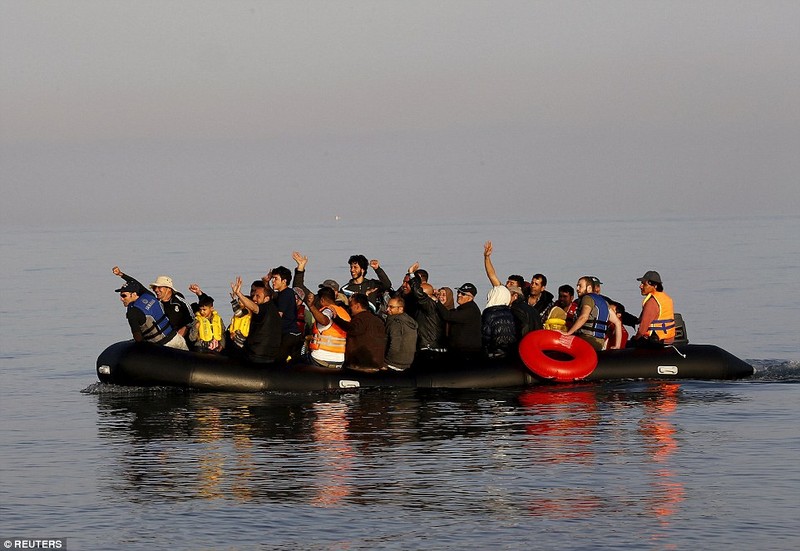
(130, 287)
(468, 288)
(650, 275)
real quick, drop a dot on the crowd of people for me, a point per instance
(367, 325)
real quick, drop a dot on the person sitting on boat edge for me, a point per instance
(172, 304)
(401, 336)
(594, 317)
(264, 338)
(657, 320)
(365, 342)
(328, 340)
(464, 333)
(373, 288)
(146, 318)
(285, 299)
(207, 333)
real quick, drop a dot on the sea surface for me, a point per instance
(617, 465)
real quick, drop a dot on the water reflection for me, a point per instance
(557, 452)
(589, 428)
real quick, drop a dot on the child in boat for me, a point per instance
(618, 310)
(207, 331)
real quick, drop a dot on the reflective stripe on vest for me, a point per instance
(664, 324)
(332, 339)
(156, 328)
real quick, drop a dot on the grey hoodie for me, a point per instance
(401, 341)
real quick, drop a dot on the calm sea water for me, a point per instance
(622, 465)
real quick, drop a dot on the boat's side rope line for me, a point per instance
(681, 354)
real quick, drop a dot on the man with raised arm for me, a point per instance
(373, 288)
(264, 339)
(526, 318)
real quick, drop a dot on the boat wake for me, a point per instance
(785, 371)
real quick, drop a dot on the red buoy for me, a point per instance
(579, 361)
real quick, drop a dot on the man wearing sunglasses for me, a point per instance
(465, 322)
(146, 317)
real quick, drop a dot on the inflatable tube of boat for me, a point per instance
(142, 364)
(557, 357)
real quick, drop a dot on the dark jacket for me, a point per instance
(430, 325)
(544, 305)
(401, 340)
(465, 326)
(382, 284)
(498, 330)
(366, 340)
(264, 340)
(526, 318)
(176, 309)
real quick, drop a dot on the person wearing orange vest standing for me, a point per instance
(328, 339)
(657, 320)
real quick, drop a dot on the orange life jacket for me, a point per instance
(664, 324)
(332, 339)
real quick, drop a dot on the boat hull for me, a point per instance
(140, 364)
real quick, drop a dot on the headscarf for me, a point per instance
(449, 302)
(498, 296)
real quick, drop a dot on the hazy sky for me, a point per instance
(409, 110)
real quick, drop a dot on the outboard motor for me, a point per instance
(680, 331)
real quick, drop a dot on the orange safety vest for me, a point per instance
(664, 324)
(334, 338)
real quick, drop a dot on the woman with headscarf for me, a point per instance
(498, 329)
(445, 296)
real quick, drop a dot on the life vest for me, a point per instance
(156, 327)
(664, 325)
(240, 328)
(241, 324)
(209, 329)
(597, 325)
(572, 313)
(301, 319)
(332, 339)
(557, 320)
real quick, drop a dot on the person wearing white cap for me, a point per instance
(175, 308)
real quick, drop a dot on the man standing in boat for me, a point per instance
(286, 301)
(373, 288)
(657, 320)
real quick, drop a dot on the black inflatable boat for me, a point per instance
(140, 364)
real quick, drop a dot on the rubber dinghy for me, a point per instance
(140, 364)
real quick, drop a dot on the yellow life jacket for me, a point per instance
(557, 321)
(210, 329)
(240, 324)
(334, 338)
(664, 324)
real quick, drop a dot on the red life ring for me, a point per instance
(582, 359)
